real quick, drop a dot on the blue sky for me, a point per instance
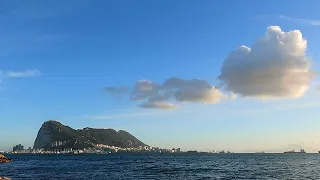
(56, 58)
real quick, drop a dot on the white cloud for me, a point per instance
(233, 96)
(18, 74)
(301, 20)
(174, 90)
(276, 66)
(144, 89)
(117, 91)
(194, 90)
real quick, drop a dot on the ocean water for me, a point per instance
(161, 166)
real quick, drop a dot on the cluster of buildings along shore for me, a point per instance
(100, 149)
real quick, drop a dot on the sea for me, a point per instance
(163, 166)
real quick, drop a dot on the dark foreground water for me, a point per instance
(176, 167)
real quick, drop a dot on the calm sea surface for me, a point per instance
(176, 167)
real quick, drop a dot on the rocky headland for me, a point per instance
(4, 159)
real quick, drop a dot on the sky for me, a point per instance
(203, 75)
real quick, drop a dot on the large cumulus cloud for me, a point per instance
(173, 91)
(276, 66)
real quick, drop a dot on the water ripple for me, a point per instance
(159, 166)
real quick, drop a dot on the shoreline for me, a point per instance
(155, 153)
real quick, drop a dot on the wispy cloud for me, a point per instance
(115, 116)
(279, 108)
(301, 20)
(297, 106)
(42, 9)
(19, 74)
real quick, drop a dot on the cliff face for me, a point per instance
(54, 135)
(44, 136)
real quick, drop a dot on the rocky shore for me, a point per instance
(4, 178)
(4, 159)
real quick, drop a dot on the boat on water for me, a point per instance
(192, 152)
(293, 152)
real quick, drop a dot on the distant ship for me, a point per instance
(318, 151)
(301, 151)
(192, 152)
